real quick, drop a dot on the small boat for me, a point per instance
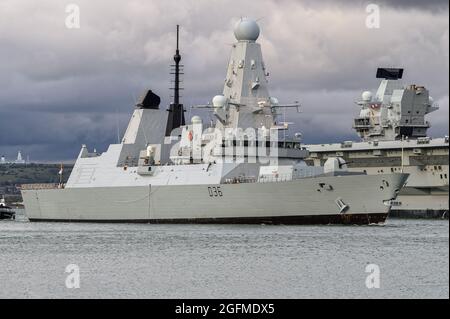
(6, 212)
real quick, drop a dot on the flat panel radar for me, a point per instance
(389, 73)
(149, 100)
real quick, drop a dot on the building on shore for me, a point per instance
(19, 159)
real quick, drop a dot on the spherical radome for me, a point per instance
(273, 100)
(366, 96)
(246, 30)
(219, 101)
(196, 119)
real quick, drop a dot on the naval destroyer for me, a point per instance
(236, 170)
(393, 132)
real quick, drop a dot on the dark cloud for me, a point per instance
(435, 5)
(432, 5)
(62, 88)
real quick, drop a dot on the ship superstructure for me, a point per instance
(393, 129)
(237, 171)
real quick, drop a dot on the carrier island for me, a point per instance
(393, 130)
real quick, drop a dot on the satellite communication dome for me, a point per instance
(273, 100)
(366, 96)
(196, 119)
(219, 101)
(246, 30)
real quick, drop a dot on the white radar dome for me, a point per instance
(273, 100)
(246, 30)
(196, 119)
(366, 96)
(219, 101)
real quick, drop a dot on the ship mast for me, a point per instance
(177, 59)
(175, 118)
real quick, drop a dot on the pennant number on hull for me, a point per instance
(215, 191)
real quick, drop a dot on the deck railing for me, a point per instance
(41, 186)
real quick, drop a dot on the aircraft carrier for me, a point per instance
(236, 170)
(393, 130)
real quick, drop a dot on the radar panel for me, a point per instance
(149, 101)
(389, 73)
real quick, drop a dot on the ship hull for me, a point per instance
(303, 201)
(426, 193)
(421, 203)
(342, 219)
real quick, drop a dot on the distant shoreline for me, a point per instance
(13, 175)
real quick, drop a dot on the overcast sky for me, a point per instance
(64, 87)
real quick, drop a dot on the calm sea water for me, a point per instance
(224, 261)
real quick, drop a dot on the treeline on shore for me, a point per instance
(13, 175)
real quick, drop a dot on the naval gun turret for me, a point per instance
(396, 111)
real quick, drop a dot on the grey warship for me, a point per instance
(393, 131)
(236, 170)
